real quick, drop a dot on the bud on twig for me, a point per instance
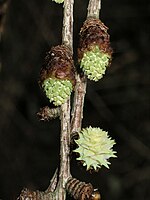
(57, 76)
(35, 195)
(28, 195)
(94, 52)
(46, 113)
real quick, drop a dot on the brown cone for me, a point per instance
(79, 190)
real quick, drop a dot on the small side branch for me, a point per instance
(94, 8)
(77, 113)
(67, 31)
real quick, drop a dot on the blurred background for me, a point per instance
(118, 103)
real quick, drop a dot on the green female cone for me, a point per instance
(57, 76)
(94, 52)
(94, 148)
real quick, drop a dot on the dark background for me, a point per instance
(118, 103)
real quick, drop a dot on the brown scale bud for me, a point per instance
(74, 136)
(27, 195)
(94, 33)
(80, 190)
(46, 113)
(35, 195)
(58, 64)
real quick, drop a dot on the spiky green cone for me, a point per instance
(94, 52)
(94, 148)
(57, 91)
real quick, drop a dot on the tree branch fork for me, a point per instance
(70, 122)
